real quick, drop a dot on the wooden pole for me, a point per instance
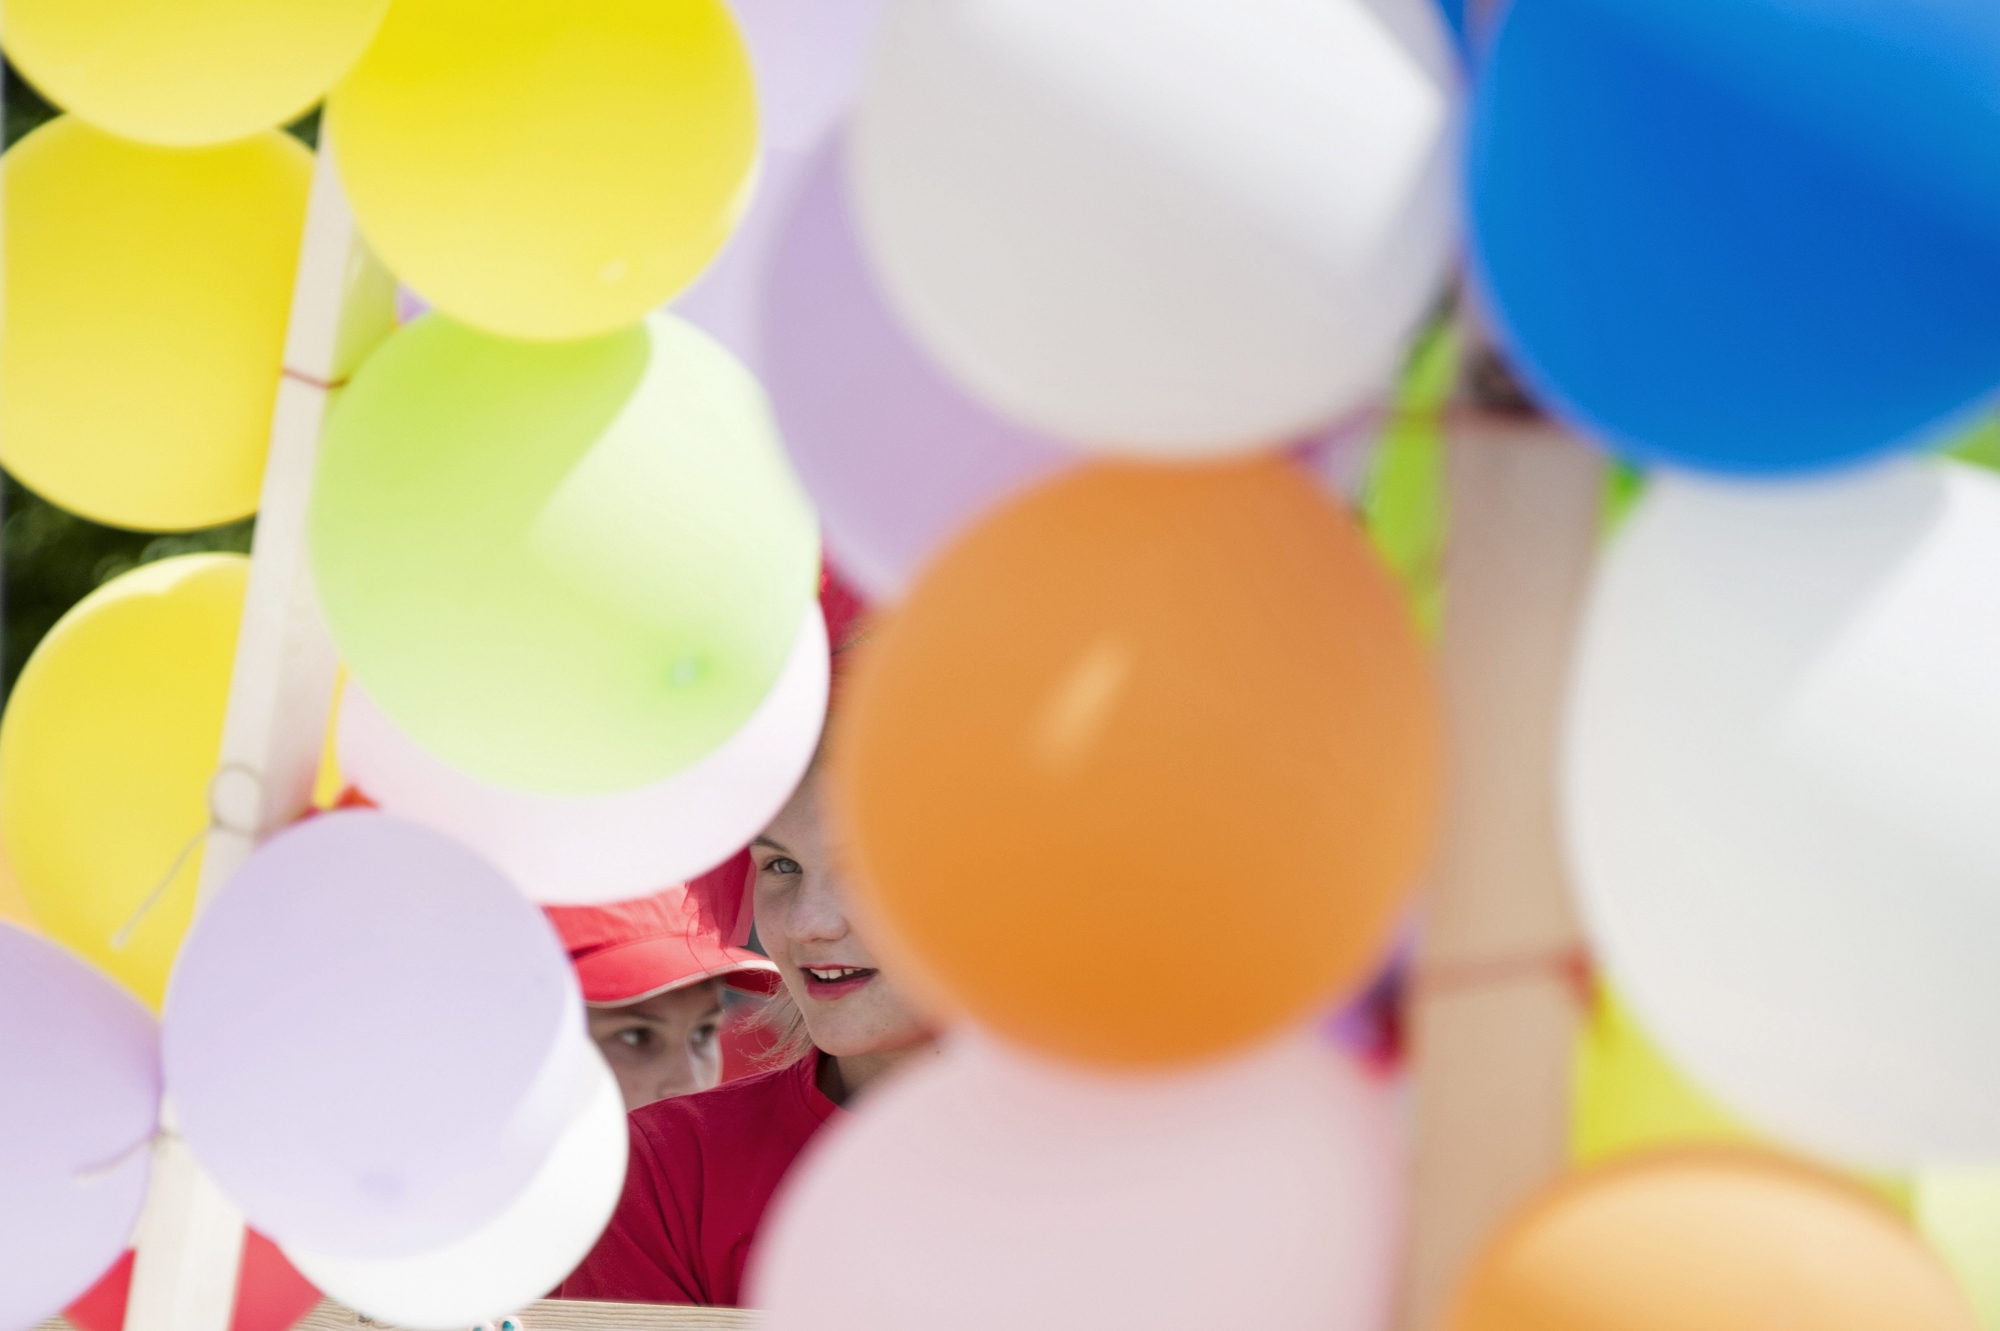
(190, 1238)
(1496, 1003)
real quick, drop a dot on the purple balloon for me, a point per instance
(808, 56)
(723, 300)
(372, 1040)
(79, 1103)
(897, 458)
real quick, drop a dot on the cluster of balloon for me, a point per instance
(328, 1014)
(1725, 1240)
(1778, 795)
(1174, 706)
(1745, 237)
(151, 236)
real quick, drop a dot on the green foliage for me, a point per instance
(53, 559)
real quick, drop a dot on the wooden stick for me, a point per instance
(1495, 1006)
(190, 1238)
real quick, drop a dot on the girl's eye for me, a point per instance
(782, 865)
(634, 1037)
(704, 1035)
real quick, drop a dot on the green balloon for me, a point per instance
(569, 567)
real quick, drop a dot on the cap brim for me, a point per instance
(636, 971)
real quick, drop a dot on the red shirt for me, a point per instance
(703, 1169)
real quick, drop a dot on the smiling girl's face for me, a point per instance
(851, 1010)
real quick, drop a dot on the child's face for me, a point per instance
(664, 1045)
(850, 1008)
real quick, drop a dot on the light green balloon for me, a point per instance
(570, 567)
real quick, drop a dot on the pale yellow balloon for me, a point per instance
(106, 751)
(187, 72)
(549, 168)
(146, 300)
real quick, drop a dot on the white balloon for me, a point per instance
(1161, 227)
(1782, 798)
(985, 1192)
(517, 1257)
(579, 850)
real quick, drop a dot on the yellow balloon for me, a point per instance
(548, 168)
(13, 905)
(188, 72)
(146, 300)
(106, 751)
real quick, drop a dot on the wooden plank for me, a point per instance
(1496, 1002)
(190, 1238)
(572, 1315)
(548, 1315)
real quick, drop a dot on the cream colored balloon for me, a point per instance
(1161, 227)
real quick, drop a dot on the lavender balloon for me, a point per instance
(723, 300)
(808, 55)
(79, 1102)
(897, 458)
(372, 1040)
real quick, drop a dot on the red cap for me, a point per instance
(631, 950)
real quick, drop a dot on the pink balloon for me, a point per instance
(896, 457)
(983, 1192)
(578, 850)
(371, 1040)
(79, 1102)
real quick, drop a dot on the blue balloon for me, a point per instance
(1454, 17)
(1750, 236)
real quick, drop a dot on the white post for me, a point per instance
(1495, 1004)
(190, 1238)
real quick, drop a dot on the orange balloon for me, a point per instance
(1709, 1240)
(1146, 765)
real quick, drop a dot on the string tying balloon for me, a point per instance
(312, 380)
(1572, 964)
(216, 823)
(97, 1173)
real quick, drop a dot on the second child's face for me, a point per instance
(665, 1045)
(850, 1008)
